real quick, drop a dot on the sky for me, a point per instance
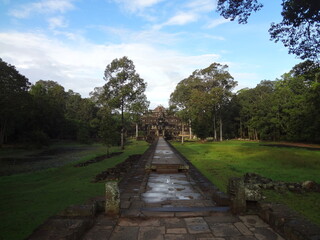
(72, 41)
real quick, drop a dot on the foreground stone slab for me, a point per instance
(225, 230)
(67, 229)
(156, 233)
(197, 225)
(123, 233)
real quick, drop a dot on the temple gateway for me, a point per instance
(159, 122)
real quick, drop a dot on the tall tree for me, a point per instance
(49, 99)
(13, 95)
(202, 96)
(108, 128)
(123, 88)
(298, 30)
(139, 107)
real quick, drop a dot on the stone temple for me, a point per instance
(161, 122)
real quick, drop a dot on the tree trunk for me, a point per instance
(256, 135)
(137, 130)
(108, 151)
(190, 129)
(214, 128)
(2, 132)
(220, 120)
(122, 128)
(240, 129)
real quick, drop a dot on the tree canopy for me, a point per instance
(13, 98)
(202, 97)
(124, 90)
(298, 30)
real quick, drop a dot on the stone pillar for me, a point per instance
(112, 198)
(236, 190)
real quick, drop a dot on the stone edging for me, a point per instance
(205, 185)
(288, 223)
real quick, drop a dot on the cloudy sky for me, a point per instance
(72, 41)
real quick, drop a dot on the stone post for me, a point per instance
(236, 190)
(112, 198)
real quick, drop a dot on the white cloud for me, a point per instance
(57, 22)
(216, 22)
(182, 18)
(137, 5)
(202, 5)
(80, 65)
(42, 7)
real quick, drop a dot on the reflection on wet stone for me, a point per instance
(163, 187)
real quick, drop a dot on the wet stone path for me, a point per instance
(160, 200)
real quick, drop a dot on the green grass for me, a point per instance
(220, 161)
(28, 199)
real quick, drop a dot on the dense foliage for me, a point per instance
(35, 114)
(203, 99)
(298, 30)
(285, 109)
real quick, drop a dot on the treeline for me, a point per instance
(285, 109)
(35, 114)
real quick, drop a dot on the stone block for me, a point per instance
(78, 211)
(176, 230)
(243, 229)
(112, 198)
(224, 230)
(236, 189)
(67, 229)
(155, 233)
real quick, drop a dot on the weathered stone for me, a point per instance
(176, 230)
(243, 229)
(253, 221)
(238, 198)
(224, 230)
(197, 225)
(112, 199)
(156, 233)
(122, 233)
(67, 229)
(266, 234)
(86, 210)
(252, 192)
(308, 185)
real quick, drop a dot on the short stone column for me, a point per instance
(112, 198)
(236, 189)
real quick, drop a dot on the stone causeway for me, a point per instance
(164, 197)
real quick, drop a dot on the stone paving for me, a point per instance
(170, 206)
(220, 227)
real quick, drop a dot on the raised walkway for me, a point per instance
(165, 198)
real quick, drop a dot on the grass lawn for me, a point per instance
(222, 160)
(28, 199)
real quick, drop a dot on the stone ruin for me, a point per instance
(248, 189)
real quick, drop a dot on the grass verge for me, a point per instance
(220, 161)
(28, 199)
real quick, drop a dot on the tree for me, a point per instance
(139, 107)
(202, 96)
(123, 88)
(13, 98)
(108, 128)
(298, 30)
(49, 105)
(81, 116)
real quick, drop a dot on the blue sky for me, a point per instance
(72, 41)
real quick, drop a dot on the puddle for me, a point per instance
(164, 187)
